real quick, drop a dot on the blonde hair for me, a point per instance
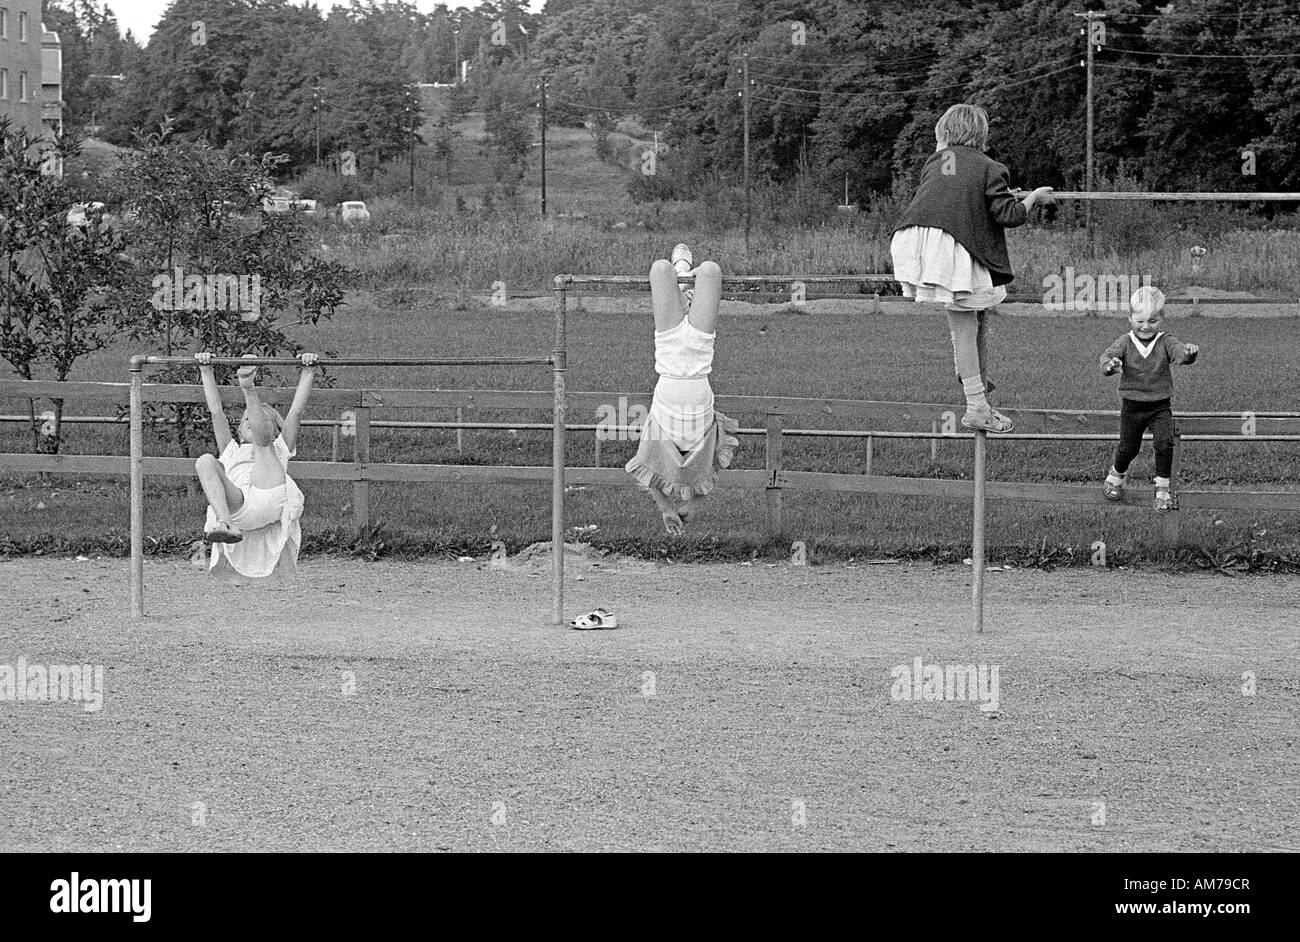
(1147, 300)
(276, 418)
(965, 125)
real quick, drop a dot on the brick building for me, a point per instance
(31, 69)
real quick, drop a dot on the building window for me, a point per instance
(22, 86)
(4, 84)
(4, 22)
(22, 27)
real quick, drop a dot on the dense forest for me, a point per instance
(1191, 94)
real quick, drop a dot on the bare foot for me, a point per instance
(672, 523)
(689, 511)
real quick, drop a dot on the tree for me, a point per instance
(202, 237)
(64, 290)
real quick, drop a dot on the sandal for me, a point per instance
(222, 533)
(1164, 502)
(594, 620)
(1112, 491)
(988, 421)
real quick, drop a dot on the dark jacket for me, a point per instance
(973, 204)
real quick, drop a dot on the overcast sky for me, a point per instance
(139, 16)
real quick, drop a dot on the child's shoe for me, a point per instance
(682, 258)
(222, 533)
(988, 420)
(683, 261)
(1164, 502)
(1112, 491)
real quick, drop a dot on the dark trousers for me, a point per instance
(1134, 419)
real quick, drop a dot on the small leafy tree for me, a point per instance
(64, 289)
(223, 275)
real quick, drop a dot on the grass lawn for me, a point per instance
(1037, 362)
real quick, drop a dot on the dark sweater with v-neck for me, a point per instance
(1147, 378)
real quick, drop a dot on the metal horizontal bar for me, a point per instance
(726, 279)
(355, 361)
(1237, 197)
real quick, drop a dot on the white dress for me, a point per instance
(270, 520)
(931, 265)
(682, 405)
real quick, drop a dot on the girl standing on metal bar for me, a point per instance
(684, 441)
(254, 507)
(950, 248)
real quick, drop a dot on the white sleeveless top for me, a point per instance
(684, 351)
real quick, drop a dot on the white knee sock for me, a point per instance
(975, 397)
(1162, 484)
(1114, 477)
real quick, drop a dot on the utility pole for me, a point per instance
(1091, 35)
(543, 108)
(410, 118)
(316, 107)
(745, 97)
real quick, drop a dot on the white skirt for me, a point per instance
(932, 266)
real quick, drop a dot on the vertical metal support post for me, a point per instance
(977, 536)
(559, 366)
(137, 488)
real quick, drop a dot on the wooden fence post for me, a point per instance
(870, 449)
(775, 423)
(360, 456)
(1171, 523)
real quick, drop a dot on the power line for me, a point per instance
(923, 88)
(1204, 16)
(1204, 55)
(1049, 43)
(1174, 72)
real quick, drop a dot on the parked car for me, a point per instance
(277, 204)
(354, 211)
(77, 215)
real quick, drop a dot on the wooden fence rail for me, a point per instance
(773, 479)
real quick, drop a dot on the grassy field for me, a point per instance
(859, 356)
(425, 271)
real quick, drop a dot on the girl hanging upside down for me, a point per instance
(684, 442)
(254, 507)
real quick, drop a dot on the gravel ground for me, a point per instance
(737, 708)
